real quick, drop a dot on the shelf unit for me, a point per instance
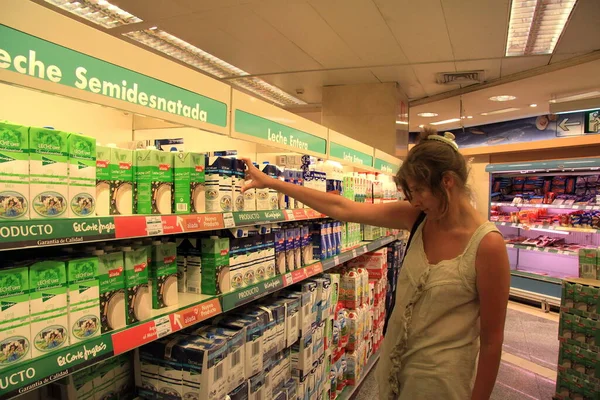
(191, 310)
(350, 391)
(537, 273)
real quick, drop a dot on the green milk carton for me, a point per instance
(114, 180)
(14, 171)
(215, 265)
(48, 307)
(138, 297)
(163, 275)
(15, 332)
(82, 175)
(190, 196)
(154, 182)
(588, 259)
(111, 275)
(84, 298)
(48, 171)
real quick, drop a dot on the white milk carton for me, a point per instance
(15, 332)
(84, 299)
(82, 175)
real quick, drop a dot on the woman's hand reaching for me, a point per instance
(260, 180)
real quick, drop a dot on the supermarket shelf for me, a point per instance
(548, 227)
(192, 309)
(548, 250)
(349, 391)
(551, 206)
(582, 281)
(539, 277)
(538, 288)
(53, 232)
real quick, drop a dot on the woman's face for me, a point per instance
(423, 198)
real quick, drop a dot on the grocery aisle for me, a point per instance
(528, 369)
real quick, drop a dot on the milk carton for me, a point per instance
(215, 265)
(48, 171)
(254, 332)
(190, 196)
(82, 175)
(48, 305)
(15, 333)
(84, 298)
(219, 184)
(111, 275)
(138, 299)
(204, 364)
(163, 275)
(154, 182)
(114, 180)
(238, 169)
(14, 172)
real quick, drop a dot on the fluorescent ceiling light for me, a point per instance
(427, 114)
(533, 105)
(504, 97)
(402, 122)
(502, 111)
(536, 25)
(579, 96)
(576, 111)
(100, 12)
(183, 51)
(469, 117)
(446, 121)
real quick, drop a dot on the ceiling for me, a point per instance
(303, 45)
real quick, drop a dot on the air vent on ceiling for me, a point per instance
(460, 78)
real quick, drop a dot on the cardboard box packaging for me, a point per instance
(15, 332)
(14, 172)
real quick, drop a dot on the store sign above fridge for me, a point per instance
(350, 155)
(32, 56)
(262, 128)
(386, 167)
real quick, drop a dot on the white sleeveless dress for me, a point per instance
(432, 341)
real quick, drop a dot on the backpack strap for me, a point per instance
(414, 228)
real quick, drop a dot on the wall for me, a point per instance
(30, 107)
(479, 183)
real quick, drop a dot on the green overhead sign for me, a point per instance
(385, 166)
(262, 128)
(29, 55)
(346, 153)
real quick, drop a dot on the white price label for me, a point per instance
(575, 207)
(562, 206)
(290, 215)
(354, 255)
(288, 277)
(228, 220)
(589, 207)
(336, 260)
(154, 225)
(538, 206)
(163, 327)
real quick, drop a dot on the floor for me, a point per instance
(528, 368)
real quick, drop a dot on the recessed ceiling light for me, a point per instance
(183, 51)
(427, 114)
(446, 121)
(153, 28)
(502, 111)
(421, 126)
(469, 117)
(536, 25)
(533, 105)
(504, 97)
(100, 12)
(402, 122)
(579, 96)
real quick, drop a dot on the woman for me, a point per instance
(453, 288)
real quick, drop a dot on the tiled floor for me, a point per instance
(528, 369)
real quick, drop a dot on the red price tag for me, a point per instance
(134, 337)
(299, 275)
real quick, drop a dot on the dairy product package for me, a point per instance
(48, 307)
(215, 265)
(238, 168)
(15, 332)
(14, 172)
(277, 314)
(48, 171)
(194, 269)
(219, 184)
(111, 274)
(154, 182)
(138, 297)
(115, 180)
(163, 275)
(204, 364)
(83, 298)
(82, 175)
(190, 189)
(254, 331)
(241, 392)
(280, 262)
(238, 259)
(292, 310)
(257, 387)
(290, 259)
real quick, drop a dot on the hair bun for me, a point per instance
(449, 135)
(426, 132)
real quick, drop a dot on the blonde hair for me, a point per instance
(428, 162)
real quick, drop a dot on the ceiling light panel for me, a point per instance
(402, 122)
(502, 111)
(536, 25)
(100, 12)
(183, 51)
(504, 97)
(446, 121)
(427, 114)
